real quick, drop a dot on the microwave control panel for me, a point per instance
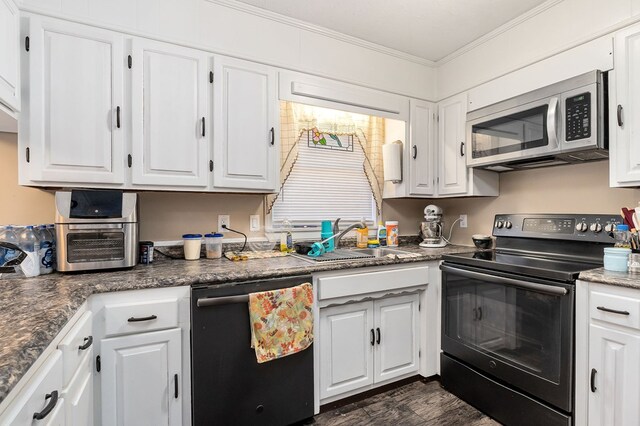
(578, 117)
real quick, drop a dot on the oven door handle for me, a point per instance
(552, 120)
(540, 288)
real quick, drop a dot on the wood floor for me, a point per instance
(417, 403)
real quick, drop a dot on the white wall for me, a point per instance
(561, 26)
(234, 29)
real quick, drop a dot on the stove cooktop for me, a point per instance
(521, 264)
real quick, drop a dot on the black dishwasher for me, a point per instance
(229, 387)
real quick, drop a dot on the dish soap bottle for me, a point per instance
(362, 236)
(286, 239)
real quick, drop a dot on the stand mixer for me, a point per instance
(431, 229)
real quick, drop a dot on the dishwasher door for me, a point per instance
(229, 386)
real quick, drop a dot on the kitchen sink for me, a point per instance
(380, 251)
(352, 254)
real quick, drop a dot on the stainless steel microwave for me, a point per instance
(558, 124)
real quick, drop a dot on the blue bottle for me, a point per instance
(327, 232)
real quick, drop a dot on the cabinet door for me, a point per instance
(625, 102)
(396, 324)
(614, 356)
(9, 42)
(139, 374)
(346, 348)
(170, 120)
(421, 163)
(74, 116)
(247, 129)
(452, 172)
(79, 397)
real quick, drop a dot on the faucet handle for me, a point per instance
(336, 227)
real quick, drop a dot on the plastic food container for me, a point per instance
(392, 233)
(213, 244)
(192, 246)
(616, 259)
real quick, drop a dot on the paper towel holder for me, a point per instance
(392, 161)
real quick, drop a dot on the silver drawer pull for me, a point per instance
(613, 311)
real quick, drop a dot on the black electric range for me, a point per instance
(508, 315)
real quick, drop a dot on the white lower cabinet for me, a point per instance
(614, 357)
(41, 401)
(79, 396)
(608, 374)
(141, 379)
(367, 343)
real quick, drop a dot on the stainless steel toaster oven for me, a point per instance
(96, 229)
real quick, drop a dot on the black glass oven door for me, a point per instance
(518, 331)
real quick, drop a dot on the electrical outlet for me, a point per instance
(223, 219)
(463, 221)
(254, 222)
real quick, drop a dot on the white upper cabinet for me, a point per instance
(9, 44)
(422, 155)
(624, 109)
(71, 129)
(452, 171)
(247, 128)
(170, 97)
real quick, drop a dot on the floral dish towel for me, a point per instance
(281, 321)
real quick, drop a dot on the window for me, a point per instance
(331, 167)
(326, 183)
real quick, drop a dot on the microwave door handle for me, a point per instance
(552, 120)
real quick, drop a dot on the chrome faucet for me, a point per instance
(338, 234)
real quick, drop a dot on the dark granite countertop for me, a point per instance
(620, 279)
(34, 310)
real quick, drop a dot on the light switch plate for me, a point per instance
(254, 222)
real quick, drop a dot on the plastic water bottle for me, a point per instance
(7, 235)
(52, 231)
(29, 243)
(45, 253)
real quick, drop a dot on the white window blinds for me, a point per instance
(325, 184)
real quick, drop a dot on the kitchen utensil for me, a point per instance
(482, 241)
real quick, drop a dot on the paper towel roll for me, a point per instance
(392, 161)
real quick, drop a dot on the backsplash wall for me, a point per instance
(580, 188)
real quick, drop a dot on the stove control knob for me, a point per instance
(581, 227)
(499, 224)
(609, 227)
(595, 227)
(508, 225)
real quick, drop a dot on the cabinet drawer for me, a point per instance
(75, 345)
(33, 398)
(126, 318)
(615, 309)
(371, 282)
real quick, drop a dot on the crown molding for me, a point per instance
(273, 16)
(498, 31)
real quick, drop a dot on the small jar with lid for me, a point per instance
(621, 235)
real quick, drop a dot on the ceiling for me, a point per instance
(429, 29)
